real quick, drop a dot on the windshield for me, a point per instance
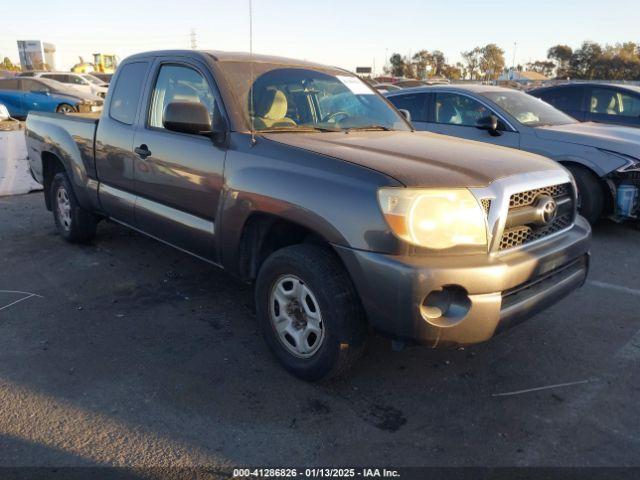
(303, 99)
(92, 79)
(529, 110)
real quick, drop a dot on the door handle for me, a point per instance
(142, 151)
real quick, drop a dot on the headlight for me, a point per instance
(434, 218)
(632, 164)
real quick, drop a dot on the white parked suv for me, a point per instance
(82, 81)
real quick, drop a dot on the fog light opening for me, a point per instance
(446, 307)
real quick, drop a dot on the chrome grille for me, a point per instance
(486, 205)
(524, 199)
(522, 234)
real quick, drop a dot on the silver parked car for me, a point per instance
(604, 159)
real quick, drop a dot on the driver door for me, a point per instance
(457, 115)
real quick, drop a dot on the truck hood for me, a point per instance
(607, 137)
(421, 159)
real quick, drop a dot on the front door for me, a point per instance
(178, 176)
(457, 115)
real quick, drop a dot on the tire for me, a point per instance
(333, 312)
(65, 108)
(74, 224)
(590, 193)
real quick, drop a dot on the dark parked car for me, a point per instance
(604, 159)
(595, 102)
(344, 217)
(22, 95)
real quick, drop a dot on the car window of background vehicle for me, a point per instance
(415, 103)
(529, 110)
(609, 102)
(454, 109)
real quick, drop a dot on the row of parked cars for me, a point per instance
(62, 92)
(602, 152)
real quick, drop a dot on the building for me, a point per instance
(36, 55)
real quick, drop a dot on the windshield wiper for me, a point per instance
(369, 127)
(303, 129)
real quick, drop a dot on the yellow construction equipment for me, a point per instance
(102, 62)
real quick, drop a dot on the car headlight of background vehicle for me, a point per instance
(631, 164)
(435, 218)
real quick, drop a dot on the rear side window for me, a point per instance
(30, 85)
(613, 102)
(565, 98)
(127, 92)
(415, 103)
(9, 84)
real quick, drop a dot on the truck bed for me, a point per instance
(70, 136)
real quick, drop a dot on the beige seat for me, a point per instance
(271, 110)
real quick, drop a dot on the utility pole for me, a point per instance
(193, 35)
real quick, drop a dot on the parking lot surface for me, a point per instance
(127, 352)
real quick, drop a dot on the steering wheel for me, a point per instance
(332, 116)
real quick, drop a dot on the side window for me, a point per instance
(630, 105)
(176, 83)
(127, 92)
(29, 85)
(50, 77)
(416, 103)
(605, 101)
(9, 84)
(564, 98)
(75, 80)
(455, 109)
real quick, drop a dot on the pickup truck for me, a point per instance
(303, 180)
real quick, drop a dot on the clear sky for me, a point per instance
(346, 33)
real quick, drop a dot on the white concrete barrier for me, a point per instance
(15, 177)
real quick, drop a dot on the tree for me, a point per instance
(472, 59)
(492, 61)
(7, 64)
(438, 62)
(584, 61)
(398, 65)
(545, 68)
(422, 61)
(562, 55)
(453, 72)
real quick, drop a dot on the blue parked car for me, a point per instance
(21, 95)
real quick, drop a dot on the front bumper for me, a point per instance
(500, 289)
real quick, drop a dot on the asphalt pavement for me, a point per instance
(127, 352)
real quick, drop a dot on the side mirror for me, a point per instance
(489, 123)
(187, 117)
(405, 113)
(41, 92)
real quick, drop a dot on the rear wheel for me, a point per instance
(590, 193)
(74, 224)
(309, 312)
(65, 108)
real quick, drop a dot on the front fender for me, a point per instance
(334, 199)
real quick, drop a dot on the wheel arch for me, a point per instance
(608, 189)
(264, 233)
(51, 165)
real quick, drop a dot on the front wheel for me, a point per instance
(74, 224)
(65, 108)
(590, 193)
(309, 312)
